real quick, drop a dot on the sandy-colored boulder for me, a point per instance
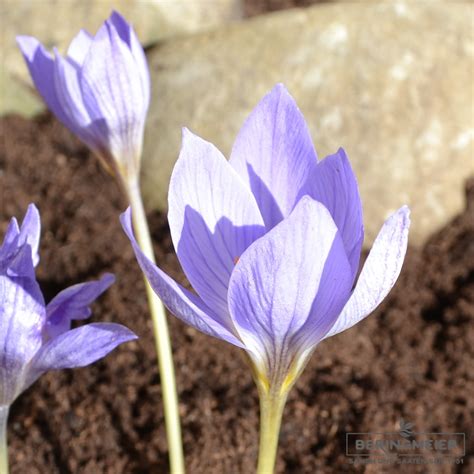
(392, 83)
(55, 22)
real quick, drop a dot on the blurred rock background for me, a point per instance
(391, 82)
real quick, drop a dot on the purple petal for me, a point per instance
(91, 128)
(41, 66)
(19, 250)
(379, 273)
(66, 77)
(79, 47)
(20, 264)
(57, 81)
(79, 347)
(295, 276)
(10, 240)
(181, 302)
(274, 154)
(213, 218)
(22, 314)
(30, 231)
(113, 92)
(73, 303)
(127, 34)
(332, 182)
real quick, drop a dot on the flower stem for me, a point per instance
(3, 439)
(271, 411)
(162, 338)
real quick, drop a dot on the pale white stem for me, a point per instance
(162, 338)
(3, 439)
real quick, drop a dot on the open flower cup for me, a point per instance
(36, 337)
(270, 241)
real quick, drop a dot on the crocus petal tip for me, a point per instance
(116, 16)
(406, 210)
(279, 88)
(126, 221)
(33, 209)
(186, 134)
(342, 153)
(127, 334)
(108, 279)
(27, 45)
(403, 214)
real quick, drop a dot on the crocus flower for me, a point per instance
(100, 90)
(36, 337)
(270, 241)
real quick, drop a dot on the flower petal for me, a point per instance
(296, 275)
(19, 250)
(332, 182)
(213, 218)
(274, 154)
(41, 66)
(10, 240)
(30, 231)
(66, 77)
(79, 47)
(179, 301)
(127, 34)
(20, 264)
(22, 314)
(380, 271)
(112, 91)
(73, 303)
(79, 347)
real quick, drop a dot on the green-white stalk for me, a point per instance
(272, 404)
(3, 439)
(161, 333)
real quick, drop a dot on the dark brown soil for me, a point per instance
(413, 358)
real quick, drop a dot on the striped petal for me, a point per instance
(273, 153)
(182, 303)
(296, 276)
(213, 218)
(380, 271)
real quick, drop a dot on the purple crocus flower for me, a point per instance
(100, 90)
(35, 337)
(270, 241)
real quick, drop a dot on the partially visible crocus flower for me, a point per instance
(270, 241)
(100, 90)
(36, 337)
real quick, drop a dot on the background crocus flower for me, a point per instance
(270, 242)
(100, 90)
(36, 337)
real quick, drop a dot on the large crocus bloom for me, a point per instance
(270, 241)
(100, 90)
(36, 337)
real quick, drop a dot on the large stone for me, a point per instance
(55, 23)
(391, 83)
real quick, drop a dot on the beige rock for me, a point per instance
(55, 22)
(391, 83)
